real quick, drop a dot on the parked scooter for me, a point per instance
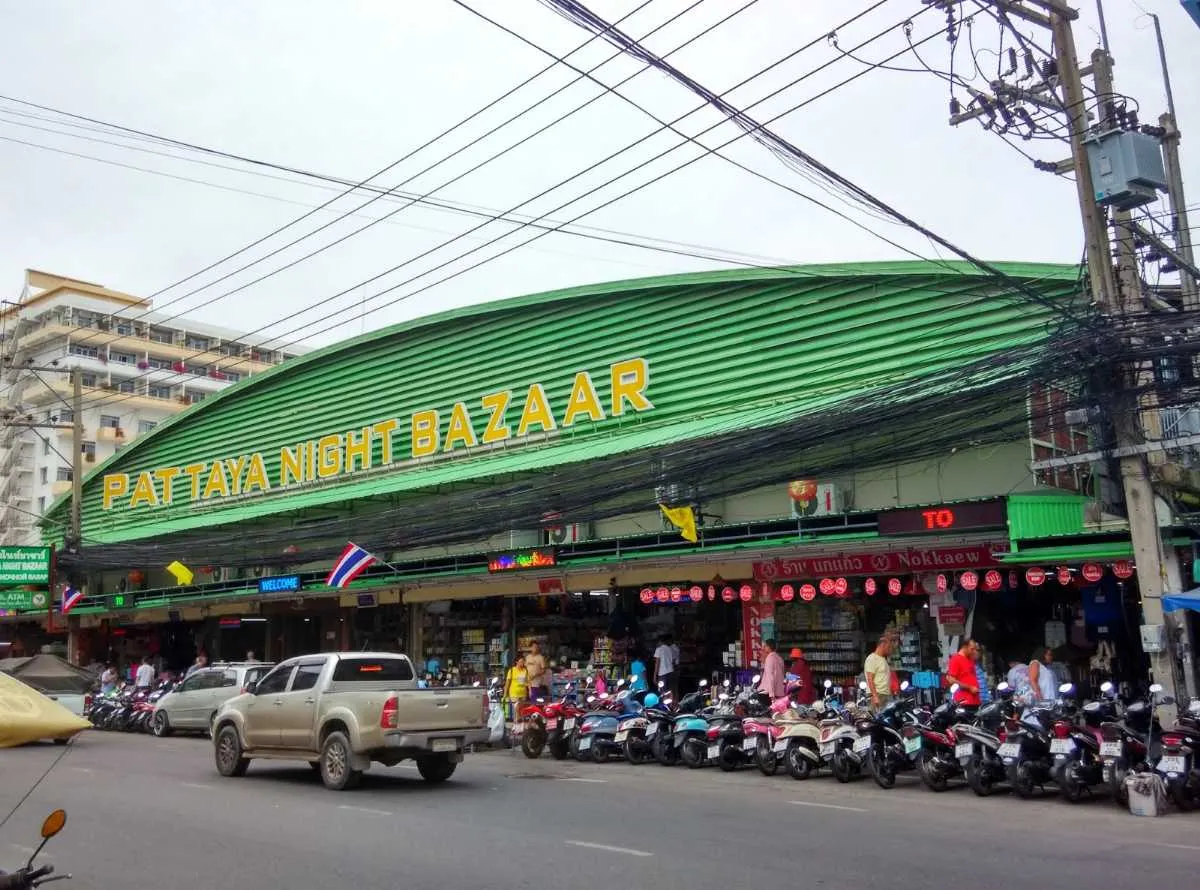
(1026, 751)
(938, 761)
(763, 731)
(1126, 742)
(1078, 766)
(1178, 765)
(598, 728)
(631, 731)
(893, 740)
(689, 732)
(29, 877)
(978, 743)
(849, 756)
(737, 747)
(662, 719)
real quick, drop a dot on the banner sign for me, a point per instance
(897, 562)
(758, 615)
(25, 565)
(23, 600)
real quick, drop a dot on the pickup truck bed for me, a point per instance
(342, 712)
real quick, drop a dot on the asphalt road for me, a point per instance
(149, 813)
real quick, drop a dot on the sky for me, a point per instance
(348, 89)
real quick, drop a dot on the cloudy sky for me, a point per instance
(347, 89)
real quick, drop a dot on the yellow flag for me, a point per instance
(182, 574)
(684, 519)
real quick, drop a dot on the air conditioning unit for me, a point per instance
(568, 533)
(826, 502)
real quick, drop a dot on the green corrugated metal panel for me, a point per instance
(1044, 515)
(1070, 554)
(726, 350)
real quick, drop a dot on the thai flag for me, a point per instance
(352, 563)
(70, 597)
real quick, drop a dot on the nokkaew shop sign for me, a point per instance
(24, 565)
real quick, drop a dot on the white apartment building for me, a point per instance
(138, 368)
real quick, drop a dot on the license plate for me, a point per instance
(779, 747)
(621, 736)
(714, 751)
(444, 745)
(1061, 746)
(912, 745)
(552, 723)
(827, 749)
(862, 744)
(749, 744)
(1110, 749)
(569, 723)
(651, 730)
(585, 743)
(1171, 765)
(965, 749)
(1009, 750)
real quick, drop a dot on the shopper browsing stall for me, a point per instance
(878, 674)
(537, 677)
(961, 671)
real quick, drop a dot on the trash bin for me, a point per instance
(1147, 794)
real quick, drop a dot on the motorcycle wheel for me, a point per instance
(532, 743)
(1116, 784)
(1183, 800)
(1020, 777)
(664, 752)
(599, 752)
(635, 754)
(884, 775)
(764, 757)
(559, 748)
(799, 767)
(930, 777)
(980, 779)
(730, 758)
(693, 753)
(843, 769)
(1072, 789)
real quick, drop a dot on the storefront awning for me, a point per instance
(1067, 554)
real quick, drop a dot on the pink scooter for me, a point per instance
(761, 733)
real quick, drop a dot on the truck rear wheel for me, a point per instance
(336, 770)
(436, 768)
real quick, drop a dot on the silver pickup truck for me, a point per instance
(342, 712)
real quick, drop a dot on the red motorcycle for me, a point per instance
(548, 725)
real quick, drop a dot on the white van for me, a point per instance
(191, 706)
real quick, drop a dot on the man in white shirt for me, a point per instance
(145, 674)
(664, 663)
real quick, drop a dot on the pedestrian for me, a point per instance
(200, 663)
(961, 671)
(771, 682)
(516, 686)
(250, 656)
(664, 663)
(108, 679)
(638, 681)
(803, 673)
(878, 674)
(145, 674)
(1041, 676)
(535, 669)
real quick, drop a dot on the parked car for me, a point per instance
(343, 712)
(192, 705)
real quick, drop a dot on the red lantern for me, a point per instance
(137, 576)
(1123, 569)
(746, 593)
(826, 586)
(647, 595)
(676, 594)
(1092, 572)
(992, 580)
(968, 580)
(1035, 577)
(841, 587)
(808, 593)
(787, 593)
(894, 586)
(695, 594)
(869, 586)
(728, 594)
(663, 595)
(802, 490)
(1064, 576)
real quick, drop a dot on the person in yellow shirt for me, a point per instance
(515, 684)
(879, 674)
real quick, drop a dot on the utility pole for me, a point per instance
(76, 532)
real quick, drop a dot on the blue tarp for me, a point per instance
(1175, 602)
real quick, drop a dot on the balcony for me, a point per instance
(110, 434)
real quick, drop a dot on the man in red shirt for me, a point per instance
(961, 670)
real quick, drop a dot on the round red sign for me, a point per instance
(968, 580)
(894, 586)
(992, 580)
(695, 594)
(728, 594)
(826, 586)
(869, 586)
(808, 593)
(787, 593)
(676, 594)
(663, 595)
(1123, 569)
(1064, 575)
(1092, 572)
(1035, 577)
(746, 592)
(942, 584)
(841, 587)
(647, 595)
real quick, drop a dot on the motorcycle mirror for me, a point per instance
(634, 678)
(724, 696)
(662, 685)
(620, 683)
(757, 677)
(476, 684)
(726, 683)
(703, 683)
(1066, 687)
(862, 684)
(54, 824)
(1106, 686)
(904, 686)
(1002, 687)
(954, 689)
(1156, 687)
(591, 698)
(828, 684)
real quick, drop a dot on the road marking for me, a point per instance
(82, 769)
(195, 785)
(364, 810)
(626, 850)
(826, 806)
(28, 851)
(588, 781)
(1176, 846)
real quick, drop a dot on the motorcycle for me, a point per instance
(1078, 765)
(1177, 765)
(849, 753)
(763, 731)
(28, 877)
(1026, 752)
(978, 743)
(661, 728)
(1126, 742)
(632, 730)
(689, 730)
(598, 727)
(736, 748)
(724, 729)
(938, 760)
(892, 740)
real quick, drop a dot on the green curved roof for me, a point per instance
(726, 350)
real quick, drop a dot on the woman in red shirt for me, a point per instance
(961, 670)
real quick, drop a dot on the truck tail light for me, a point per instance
(389, 717)
(87, 702)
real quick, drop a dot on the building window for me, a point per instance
(85, 351)
(67, 416)
(160, 392)
(160, 336)
(124, 328)
(63, 474)
(124, 358)
(196, 342)
(110, 422)
(89, 380)
(233, 376)
(45, 446)
(42, 504)
(144, 426)
(197, 370)
(45, 475)
(161, 364)
(126, 386)
(195, 397)
(89, 450)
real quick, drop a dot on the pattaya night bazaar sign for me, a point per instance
(432, 432)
